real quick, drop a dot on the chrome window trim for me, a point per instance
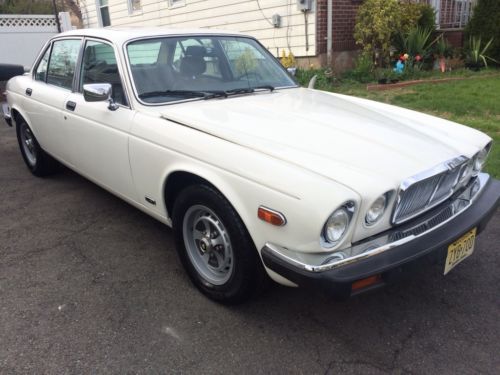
(329, 261)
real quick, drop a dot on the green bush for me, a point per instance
(485, 23)
(324, 78)
(363, 69)
(377, 22)
(427, 18)
(477, 53)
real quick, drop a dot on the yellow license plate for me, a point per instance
(460, 249)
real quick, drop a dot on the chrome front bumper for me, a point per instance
(432, 231)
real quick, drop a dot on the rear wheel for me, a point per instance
(37, 160)
(214, 245)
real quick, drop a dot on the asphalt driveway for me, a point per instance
(88, 284)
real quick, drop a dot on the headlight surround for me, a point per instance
(377, 209)
(337, 224)
(480, 158)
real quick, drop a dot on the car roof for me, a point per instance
(122, 34)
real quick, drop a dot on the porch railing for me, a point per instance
(452, 14)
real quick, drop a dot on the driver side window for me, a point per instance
(100, 66)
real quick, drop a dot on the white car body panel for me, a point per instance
(299, 151)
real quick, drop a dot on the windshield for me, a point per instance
(176, 68)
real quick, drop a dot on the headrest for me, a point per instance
(195, 51)
(193, 63)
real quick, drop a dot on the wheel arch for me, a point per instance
(180, 178)
(18, 114)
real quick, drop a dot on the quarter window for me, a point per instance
(62, 63)
(99, 66)
(41, 70)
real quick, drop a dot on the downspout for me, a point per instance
(329, 33)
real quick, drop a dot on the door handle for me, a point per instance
(70, 105)
(28, 91)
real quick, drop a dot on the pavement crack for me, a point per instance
(402, 347)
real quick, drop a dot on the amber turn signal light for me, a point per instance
(365, 283)
(271, 216)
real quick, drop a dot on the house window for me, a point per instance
(134, 6)
(176, 3)
(102, 6)
(451, 14)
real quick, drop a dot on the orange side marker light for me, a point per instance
(271, 216)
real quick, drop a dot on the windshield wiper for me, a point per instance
(247, 90)
(184, 94)
(209, 94)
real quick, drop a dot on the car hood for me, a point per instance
(350, 140)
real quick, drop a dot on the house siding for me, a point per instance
(236, 15)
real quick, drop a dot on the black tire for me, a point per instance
(247, 273)
(37, 160)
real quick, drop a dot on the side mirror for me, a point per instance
(99, 92)
(292, 71)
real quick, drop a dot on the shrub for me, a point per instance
(442, 48)
(485, 24)
(324, 79)
(376, 23)
(427, 18)
(409, 16)
(363, 69)
(477, 54)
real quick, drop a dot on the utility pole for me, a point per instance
(56, 14)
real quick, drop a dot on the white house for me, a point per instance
(278, 24)
(318, 31)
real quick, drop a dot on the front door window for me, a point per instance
(99, 66)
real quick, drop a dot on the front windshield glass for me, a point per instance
(177, 68)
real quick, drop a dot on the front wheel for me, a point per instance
(214, 245)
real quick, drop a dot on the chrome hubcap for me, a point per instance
(28, 144)
(208, 244)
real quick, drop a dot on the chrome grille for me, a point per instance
(424, 191)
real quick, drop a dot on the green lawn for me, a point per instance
(473, 102)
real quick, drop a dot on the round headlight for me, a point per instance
(336, 225)
(480, 159)
(376, 210)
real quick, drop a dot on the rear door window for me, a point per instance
(62, 63)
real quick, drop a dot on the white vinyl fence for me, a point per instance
(22, 37)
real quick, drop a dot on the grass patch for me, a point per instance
(472, 102)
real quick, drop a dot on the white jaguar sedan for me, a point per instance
(205, 131)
